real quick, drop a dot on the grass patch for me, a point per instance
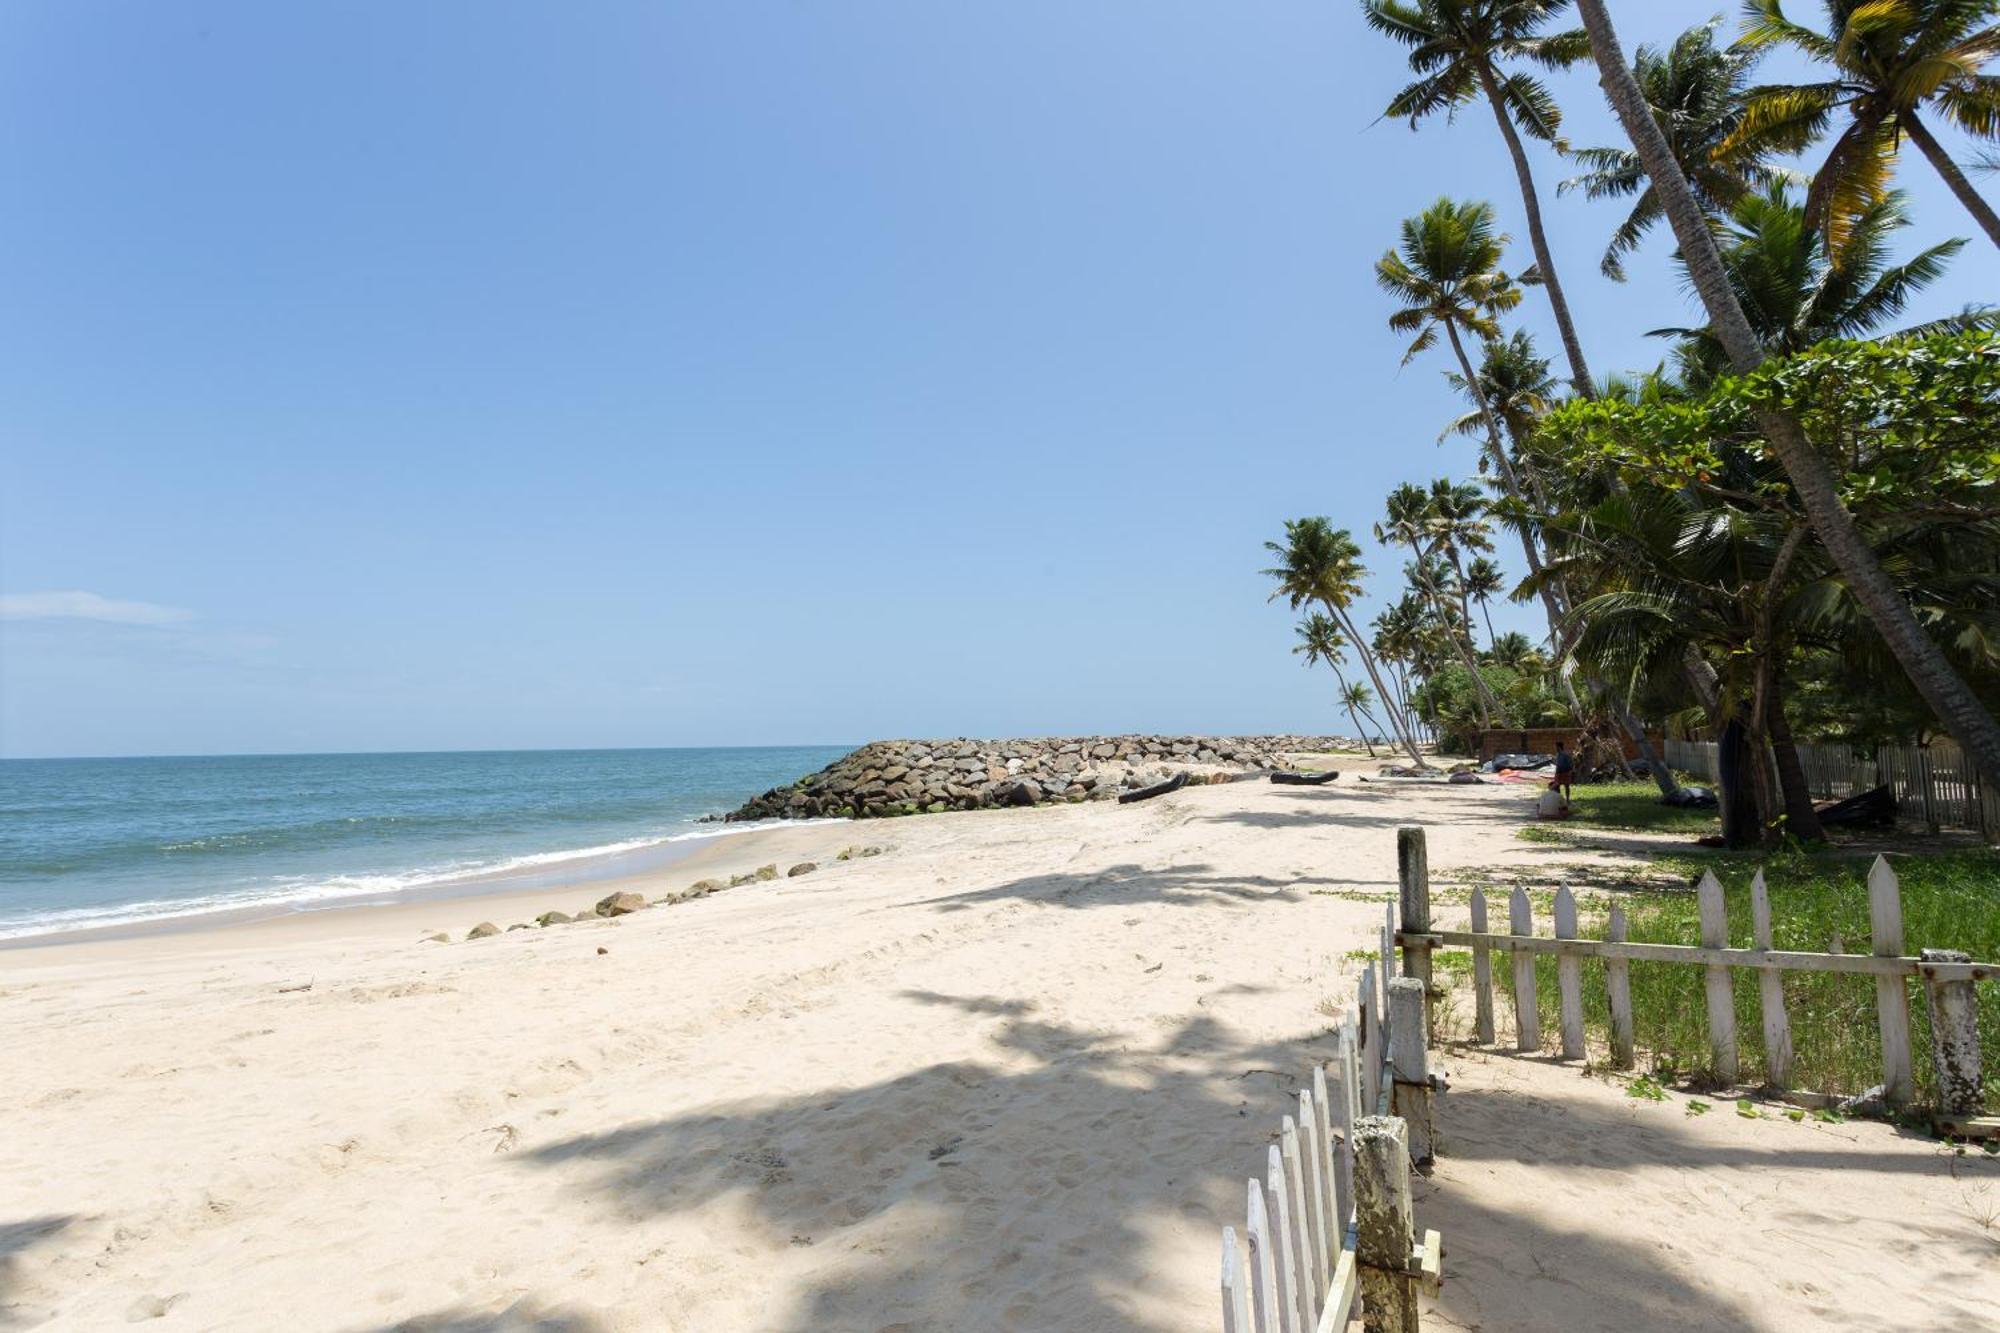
(1951, 900)
(1636, 805)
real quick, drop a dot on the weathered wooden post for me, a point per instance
(1569, 977)
(1409, 1065)
(1482, 975)
(1527, 1014)
(1770, 993)
(1413, 875)
(1385, 1225)
(1954, 1035)
(1721, 997)
(1892, 1001)
(1618, 990)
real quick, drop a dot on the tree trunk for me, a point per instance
(1545, 264)
(1801, 820)
(1736, 788)
(1975, 204)
(1956, 706)
(1487, 616)
(1481, 695)
(1368, 664)
(1363, 731)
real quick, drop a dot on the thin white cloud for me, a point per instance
(86, 606)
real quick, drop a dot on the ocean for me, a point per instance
(119, 842)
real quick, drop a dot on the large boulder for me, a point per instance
(802, 868)
(621, 904)
(482, 931)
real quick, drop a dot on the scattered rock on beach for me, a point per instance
(520, 925)
(621, 904)
(601, 950)
(482, 930)
(767, 872)
(802, 868)
(554, 919)
(437, 937)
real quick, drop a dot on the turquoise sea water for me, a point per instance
(105, 842)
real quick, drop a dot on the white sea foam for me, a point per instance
(303, 894)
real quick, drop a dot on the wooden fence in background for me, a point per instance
(1331, 1226)
(1935, 785)
(1949, 977)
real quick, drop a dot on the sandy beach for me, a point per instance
(1011, 1073)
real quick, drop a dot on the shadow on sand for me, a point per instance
(1027, 1192)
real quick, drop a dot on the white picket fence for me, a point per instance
(1331, 1224)
(1935, 784)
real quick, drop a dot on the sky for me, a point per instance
(484, 375)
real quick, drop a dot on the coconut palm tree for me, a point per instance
(1669, 568)
(1514, 649)
(1356, 697)
(1930, 671)
(1482, 580)
(1794, 295)
(1694, 90)
(1894, 64)
(1410, 522)
(1320, 565)
(1455, 513)
(1462, 51)
(1322, 640)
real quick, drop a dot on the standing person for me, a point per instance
(1565, 769)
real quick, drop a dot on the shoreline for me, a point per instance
(493, 895)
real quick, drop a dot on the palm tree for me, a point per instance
(1446, 272)
(1455, 513)
(1357, 697)
(1929, 670)
(1670, 568)
(1514, 649)
(1482, 580)
(1320, 565)
(1458, 50)
(1695, 93)
(1410, 522)
(1322, 640)
(1890, 60)
(1794, 295)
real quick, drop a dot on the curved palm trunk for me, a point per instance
(1487, 616)
(1368, 664)
(1974, 202)
(1930, 672)
(1341, 677)
(1545, 264)
(1481, 694)
(1768, 712)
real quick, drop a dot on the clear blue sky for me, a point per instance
(466, 375)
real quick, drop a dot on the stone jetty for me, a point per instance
(930, 776)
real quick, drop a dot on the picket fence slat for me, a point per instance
(1892, 1001)
(1285, 1159)
(1236, 1316)
(1263, 1261)
(1527, 1017)
(1482, 975)
(1770, 992)
(1721, 993)
(1618, 991)
(1569, 977)
(1313, 1172)
(1284, 1244)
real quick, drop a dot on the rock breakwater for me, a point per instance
(910, 777)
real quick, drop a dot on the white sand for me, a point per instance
(1011, 1074)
